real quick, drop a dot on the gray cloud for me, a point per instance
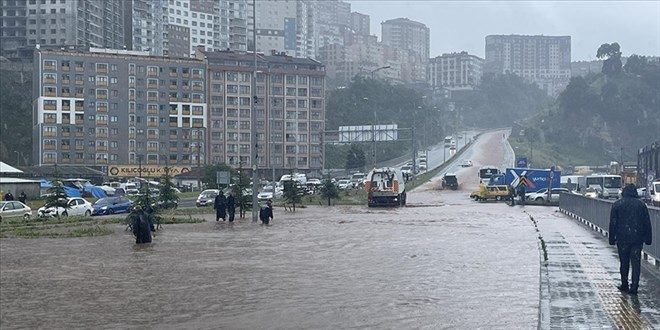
(463, 25)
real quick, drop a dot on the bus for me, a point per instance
(607, 185)
(485, 172)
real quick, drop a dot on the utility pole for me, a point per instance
(253, 126)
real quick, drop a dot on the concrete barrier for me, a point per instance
(595, 213)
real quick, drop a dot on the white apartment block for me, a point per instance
(544, 60)
(455, 71)
(285, 27)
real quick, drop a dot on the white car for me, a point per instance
(542, 195)
(14, 209)
(344, 184)
(466, 163)
(267, 193)
(76, 206)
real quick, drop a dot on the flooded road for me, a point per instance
(443, 262)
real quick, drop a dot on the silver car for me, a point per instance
(541, 196)
(14, 209)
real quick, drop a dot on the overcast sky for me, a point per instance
(463, 25)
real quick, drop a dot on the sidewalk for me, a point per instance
(579, 279)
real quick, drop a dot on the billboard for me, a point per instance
(366, 133)
(145, 170)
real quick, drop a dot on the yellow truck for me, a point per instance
(486, 192)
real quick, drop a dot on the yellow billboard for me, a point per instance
(151, 171)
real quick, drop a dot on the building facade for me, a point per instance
(117, 107)
(410, 43)
(289, 111)
(455, 71)
(544, 60)
(61, 23)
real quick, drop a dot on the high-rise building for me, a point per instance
(286, 27)
(60, 23)
(290, 111)
(403, 34)
(455, 71)
(118, 107)
(544, 60)
(360, 24)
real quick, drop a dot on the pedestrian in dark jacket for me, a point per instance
(266, 213)
(630, 228)
(522, 190)
(231, 206)
(220, 206)
(512, 196)
(22, 197)
(141, 224)
(9, 196)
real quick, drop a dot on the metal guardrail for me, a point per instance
(596, 214)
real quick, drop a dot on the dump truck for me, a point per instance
(385, 187)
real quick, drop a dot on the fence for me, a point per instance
(595, 213)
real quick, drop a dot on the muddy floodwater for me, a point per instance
(443, 262)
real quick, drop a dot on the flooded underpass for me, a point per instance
(321, 268)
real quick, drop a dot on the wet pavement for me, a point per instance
(443, 262)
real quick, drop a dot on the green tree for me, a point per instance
(355, 158)
(612, 54)
(16, 103)
(144, 198)
(167, 196)
(57, 197)
(292, 192)
(329, 190)
(636, 65)
(240, 188)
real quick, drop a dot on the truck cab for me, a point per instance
(385, 187)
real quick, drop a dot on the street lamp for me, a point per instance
(253, 121)
(378, 69)
(18, 154)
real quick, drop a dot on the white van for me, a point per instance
(655, 193)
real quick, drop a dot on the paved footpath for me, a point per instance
(579, 279)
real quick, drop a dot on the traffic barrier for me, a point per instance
(595, 214)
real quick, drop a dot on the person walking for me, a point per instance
(266, 213)
(512, 195)
(9, 196)
(630, 228)
(141, 225)
(231, 206)
(220, 206)
(22, 197)
(522, 190)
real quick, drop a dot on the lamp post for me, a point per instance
(18, 154)
(378, 69)
(253, 128)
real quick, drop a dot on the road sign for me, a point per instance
(222, 177)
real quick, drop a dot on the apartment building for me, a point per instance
(455, 71)
(289, 113)
(286, 27)
(544, 60)
(61, 23)
(117, 107)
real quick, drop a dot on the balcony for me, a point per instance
(185, 161)
(49, 67)
(172, 161)
(198, 125)
(152, 86)
(185, 87)
(102, 96)
(174, 111)
(50, 107)
(172, 74)
(152, 161)
(80, 69)
(50, 134)
(80, 82)
(66, 147)
(185, 112)
(198, 88)
(152, 98)
(66, 134)
(197, 76)
(173, 124)
(172, 99)
(79, 160)
(51, 94)
(101, 160)
(66, 81)
(131, 136)
(173, 149)
(50, 160)
(185, 75)
(80, 95)
(101, 70)
(101, 148)
(66, 94)
(152, 136)
(198, 112)
(152, 124)
(152, 111)
(152, 149)
(102, 109)
(101, 135)
(152, 73)
(79, 134)
(172, 86)
(185, 99)
(80, 108)
(65, 160)
(49, 147)
(101, 83)
(185, 150)
(197, 100)
(80, 147)
(101, 122)
(49, 120)
(66, 68)
(131, 85)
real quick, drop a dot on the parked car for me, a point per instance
(207, 197)
(543, 196)
(76, 206)
(344, 184)
(112, 205)
(14, 209)
(267, 193)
